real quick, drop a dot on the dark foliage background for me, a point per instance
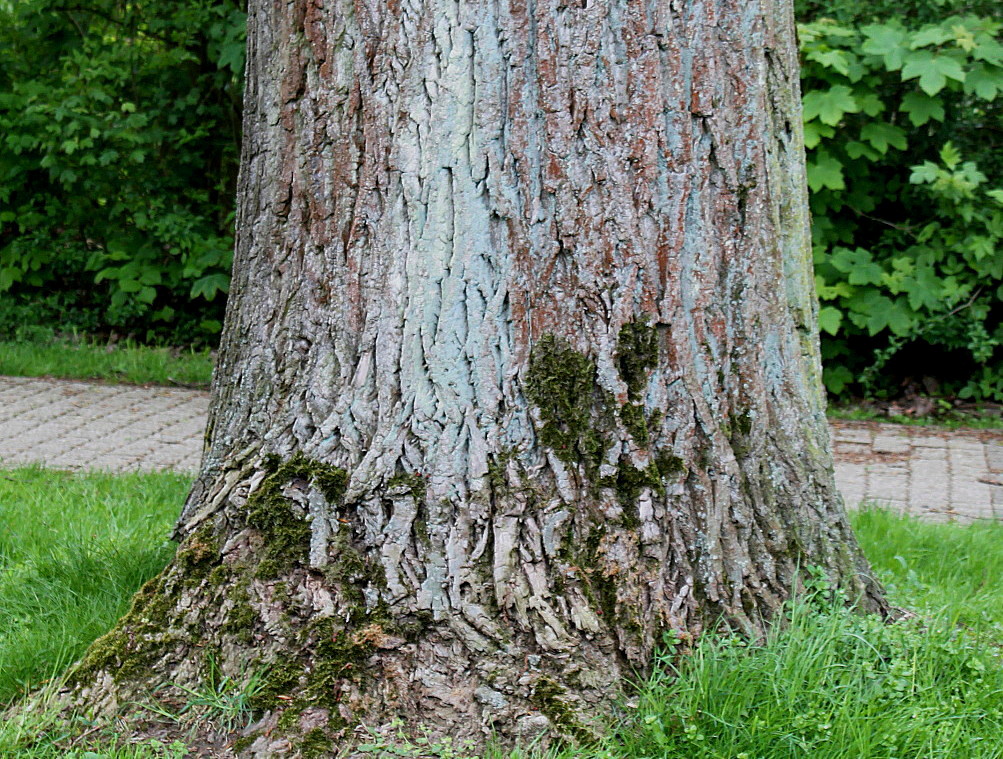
(120, 126)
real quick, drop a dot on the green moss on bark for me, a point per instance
(550, 698)
(562, 384)
(128, 650)
(241, 617)
(636, 355)
(316, 744)
(198, 557)
(283, 526)
(410, 482)
(632, 416)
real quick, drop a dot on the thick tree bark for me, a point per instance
(520, 368)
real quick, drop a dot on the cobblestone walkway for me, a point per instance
(940, 474)
(930, 472)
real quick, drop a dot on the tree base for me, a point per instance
(322, 666)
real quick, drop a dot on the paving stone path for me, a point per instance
(934, 473)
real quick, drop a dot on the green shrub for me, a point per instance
(906, 224)
(118, 159)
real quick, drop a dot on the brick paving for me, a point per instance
(81, 425)
(939, 474)
(935, 473)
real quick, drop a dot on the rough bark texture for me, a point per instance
(520, 368)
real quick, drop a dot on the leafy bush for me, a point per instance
(118, 160)
(907, 227)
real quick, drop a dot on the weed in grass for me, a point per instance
(221, 702)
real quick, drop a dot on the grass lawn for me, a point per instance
(73, 550)
(828, 684)
(128, 363)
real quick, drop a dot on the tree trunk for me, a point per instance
(519, 374)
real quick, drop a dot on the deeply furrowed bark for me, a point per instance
(519, 374)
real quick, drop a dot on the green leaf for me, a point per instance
(876, 312)
(836, 378)
(858, 265)
(983, 81)
(950, 155)
(882, 135)
(829, 105)
(932, 70)
(900, 319)
(208, 286)
(860, 150)
(926, 173)
(989, 50)
(887, 41)
(930, 35)
(833, 291)
(837, 60)
(829, 319)
(921, 107)
(825, 172)
(8, 276)
(923, 289)
(814, 131)
(869, 103)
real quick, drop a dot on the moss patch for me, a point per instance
(285, 530)
(315, 744)
(577, 414)
(548, 697)
(636, 355)
(670, 467)
(351, 572)
(562, 383)
(243, 743)
(198, 556)
(632, 416)
(281, 678)
(329, 653)
(241, 617)
(412, 483)
(128, 650)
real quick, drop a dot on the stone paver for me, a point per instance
(935, 473)
(938, 474)
(81, 425)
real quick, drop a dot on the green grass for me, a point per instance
(128, 363)
(938, 568)
(827, 684)
(988, 418)
(73, 550)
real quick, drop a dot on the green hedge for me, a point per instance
(120, 127)
(119, 133)
(902, 129)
